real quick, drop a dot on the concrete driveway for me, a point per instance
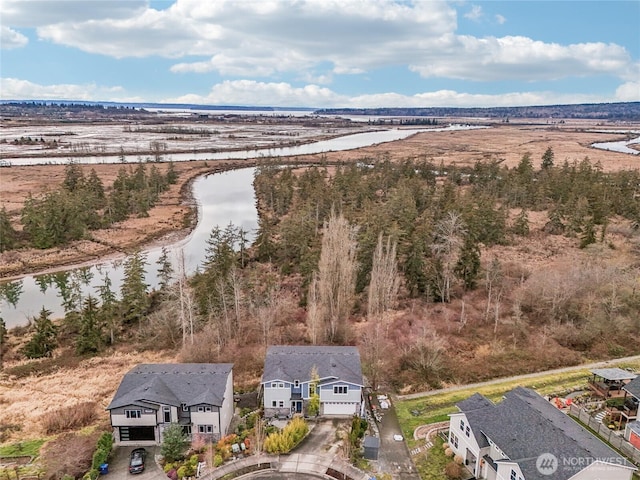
(119, 465)
(393, 457)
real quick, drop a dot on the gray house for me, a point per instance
(198, 396)
(524, 437)
(287, 381)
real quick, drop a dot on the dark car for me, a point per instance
(136, 462)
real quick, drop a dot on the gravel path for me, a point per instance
(605, 364)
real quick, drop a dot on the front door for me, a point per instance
(296, 406)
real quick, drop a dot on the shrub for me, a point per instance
(217, 460)
(288, 438)
(69, 418)
(453, 471)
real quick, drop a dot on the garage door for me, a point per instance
(336, 408)
(137, 434)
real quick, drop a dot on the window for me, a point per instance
(513, 474)
(454, 440)
(133, 413)
(207, 409)
(274, 404)
(205, 428)
(201, 409)
(184, 407)
(461, 425)
(167, 414)
(281, 385)
(467, 431)
(340, 389)
(296, 383)
(281, 403)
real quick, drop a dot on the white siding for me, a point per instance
(205, 418)
(277, 395)
(353, 395)
(464, 442)
(120, 420)
(228, 406)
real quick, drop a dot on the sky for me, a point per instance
(321, 53)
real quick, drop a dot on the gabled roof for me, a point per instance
(290, 363)
(524, 426)
(173, 384)
(615, 374)
(633, 387)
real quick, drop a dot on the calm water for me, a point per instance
(222, 198)
(347, 142)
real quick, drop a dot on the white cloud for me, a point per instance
(628, 92)
(310, 39)
(519, 58)
(475, 13)
(35, 13)
(500, 19)
(250, 92)
(17, 89)
(10, 39)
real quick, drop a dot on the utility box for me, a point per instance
(371, 447)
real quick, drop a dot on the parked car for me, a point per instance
(136, 462)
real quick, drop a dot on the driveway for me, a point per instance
(393, 457)
(119, 465)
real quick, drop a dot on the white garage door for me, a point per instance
(336, 408)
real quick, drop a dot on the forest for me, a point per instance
(411, 261)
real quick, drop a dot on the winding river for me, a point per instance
(222, 198)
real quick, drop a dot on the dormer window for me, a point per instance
(184, 407)
(296, 383)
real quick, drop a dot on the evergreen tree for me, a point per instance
(90, 336)
(135, 301)
(165, 270)
(8, 235)
(174, 443)
(521, 224)
(468, 265)
(44, 339)
(588, 234)
(547, 159)
(73, 177)
(108, 310)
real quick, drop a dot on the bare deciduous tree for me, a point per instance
(336, 276)
(314, 314)
(448, 242)
(383, 287)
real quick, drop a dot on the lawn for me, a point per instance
(28, 447)
(431, 409)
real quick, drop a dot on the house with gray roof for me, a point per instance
(525, 437)
(293, 373)
(198, 396)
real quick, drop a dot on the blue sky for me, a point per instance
(321, 53)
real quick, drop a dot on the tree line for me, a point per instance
(81, 204)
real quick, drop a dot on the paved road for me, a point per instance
(605, 364)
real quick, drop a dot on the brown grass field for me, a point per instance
(24, 400)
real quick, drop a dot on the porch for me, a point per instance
(609, 382)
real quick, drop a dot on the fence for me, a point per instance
(615, 440)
